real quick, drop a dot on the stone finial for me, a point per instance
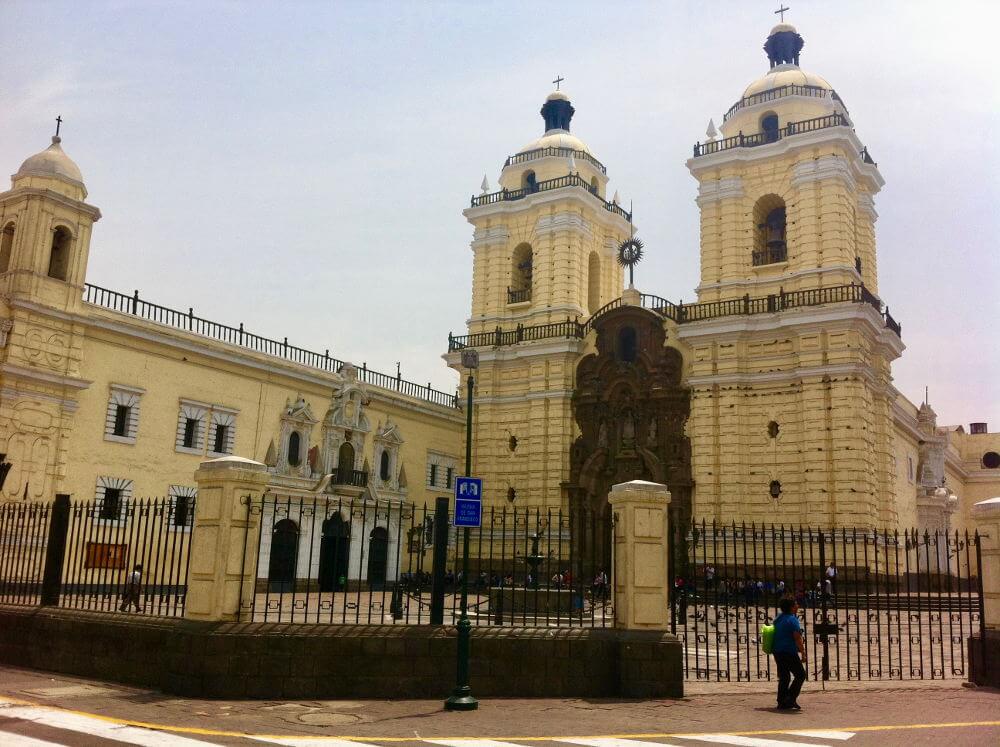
(615, 199)
(711, 133)
(485, 186)
(572, 164)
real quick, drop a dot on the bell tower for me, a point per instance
(791, 383)
(45, 227)
(543, 259)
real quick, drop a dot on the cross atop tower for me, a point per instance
(781, 10)
(559, 79)
(58, 124)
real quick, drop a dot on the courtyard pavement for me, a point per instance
(39, 708)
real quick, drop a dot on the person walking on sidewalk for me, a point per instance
(788, 646)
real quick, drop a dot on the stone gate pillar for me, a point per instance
(641, 544)
(984, 646)
(224, 538)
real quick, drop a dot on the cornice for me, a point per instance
(715, 190)
(528, 349)
(785, 276)
(796, 374)
(595, 210)
(42, 376)
(842, 136)
(12, 393)
(52, 196)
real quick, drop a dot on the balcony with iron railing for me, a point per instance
(570, 180)
(782, 92)
(521, 295)
(772, 136)
(531, 155)
(772, 254)
(355, 478)
(682, 313)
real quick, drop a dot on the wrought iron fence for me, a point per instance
(778, 93)
(531, 155)
(24, 529)
(107, 545)
(763, 138)
(188, 321)
(570, 180)
(379, 562)
(896, 605)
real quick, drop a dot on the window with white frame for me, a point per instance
(182, 499)
(440, 470)
(222, 434)
(112, 496)
(122, 422)
(191, 421)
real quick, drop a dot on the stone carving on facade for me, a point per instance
(935, 502)
(387, 441)
(294, 438)
(345, 422)
(6, 325)
(631, 413)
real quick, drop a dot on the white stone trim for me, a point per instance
(44, 377)
(181, 491)
(755, 282)
(442, 462)
(825, 167)
(194, 411)
(585, 199)
(103, 483)
(866, 205)
(563, 221)
(222, 417)
(714, 190)
(12, 393)
(796, 374)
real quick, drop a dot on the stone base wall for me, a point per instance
(253, 660)
(984, 659)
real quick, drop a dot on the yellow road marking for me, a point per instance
(355, 738)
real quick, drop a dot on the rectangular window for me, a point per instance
(909, 468)
(190, 432)
(122, 417)
(449, 476)
(182, 500)
(219, 447)
(111, 504)
(121, 420)
(433, 477)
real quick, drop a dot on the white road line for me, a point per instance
(16, 740)
(822, 734)
(311, 741)
(472, 743)
(614, 742)
(99, 728)
(738, 741)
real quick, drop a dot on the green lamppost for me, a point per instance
(461, 697)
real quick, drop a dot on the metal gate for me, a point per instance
(873, 605)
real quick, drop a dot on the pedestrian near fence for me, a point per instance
(787, 648)
(133, 590)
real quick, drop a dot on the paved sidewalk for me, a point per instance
(882, 713)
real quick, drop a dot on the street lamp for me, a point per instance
(461, 697)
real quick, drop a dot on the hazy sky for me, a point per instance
(302, 167)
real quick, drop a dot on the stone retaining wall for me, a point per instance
(254, 660)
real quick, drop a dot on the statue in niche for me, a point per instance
(628, 430)
(602, 436)
(651, 433)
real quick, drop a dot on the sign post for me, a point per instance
(468, 513)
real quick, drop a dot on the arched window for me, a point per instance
(627, 345)
(59, 256)
(595, 187)
(528, 181)
(6, 246)
(295, 449)
(383, 467)
(284, 554)
(769, 126)
(378, 557)
(769, 231)
(522, 263)
(594, 282)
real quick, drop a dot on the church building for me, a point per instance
(774, 389)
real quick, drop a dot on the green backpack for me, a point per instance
(767, 638)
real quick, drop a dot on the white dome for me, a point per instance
(557, 96)
(51, 162)
(556, 139)
(785, 75)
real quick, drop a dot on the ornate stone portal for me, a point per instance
(631, 408)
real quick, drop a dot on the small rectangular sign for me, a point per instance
(468, 502)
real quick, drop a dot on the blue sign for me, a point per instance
(468, 502)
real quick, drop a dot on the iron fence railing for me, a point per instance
(770, 255)
(378, 562)
(684, 313)
(518, 295)
(570, 180)
(107, 545)
(189, 322)
(779, 93)
(531, 155)
(24, 529)
(873, 604)
(741, 140)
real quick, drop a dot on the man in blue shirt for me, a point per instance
(787, 647)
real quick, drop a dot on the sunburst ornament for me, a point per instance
(629, 255)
